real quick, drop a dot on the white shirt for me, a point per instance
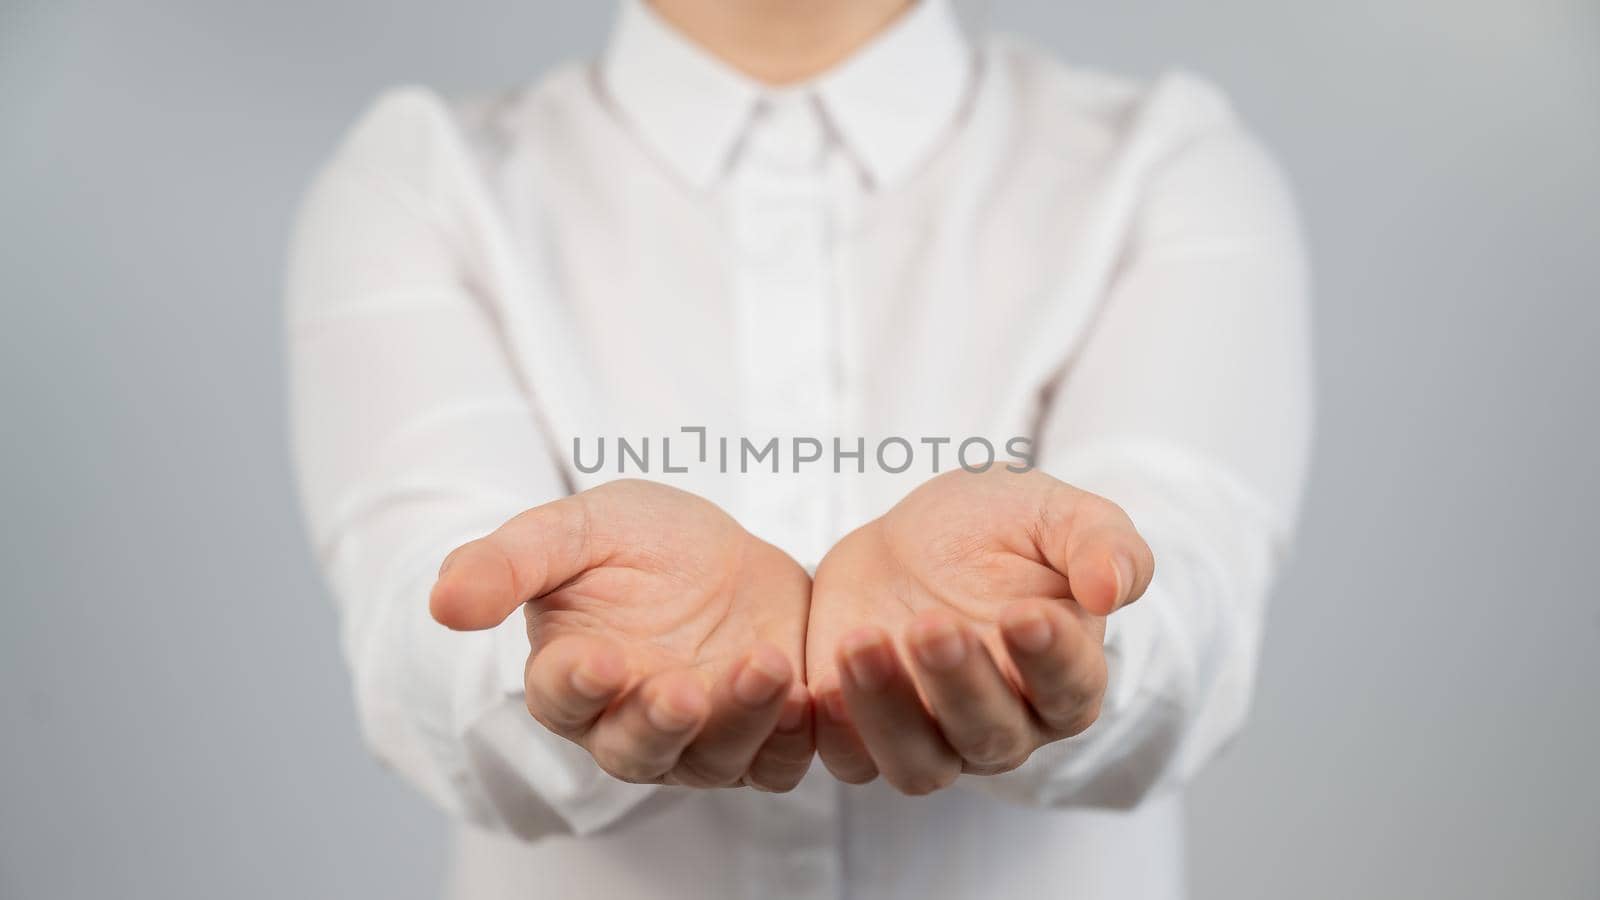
(932, 240)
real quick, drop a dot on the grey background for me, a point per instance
(174, 718)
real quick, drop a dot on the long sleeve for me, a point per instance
(1189, 404)
(412, 434)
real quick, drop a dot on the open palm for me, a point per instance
(963, 628)
(663, 637)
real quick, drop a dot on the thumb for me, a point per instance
(483, 581)
(1095, 545)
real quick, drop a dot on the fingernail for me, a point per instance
(864, 657)
(793, 717)
(669, 715)
(1125, 576)
(1030, 632)
(755, 685)
(940, 646)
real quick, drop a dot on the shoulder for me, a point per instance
(1174, 101)
(1174, 140)
(1147, 122)
(404, 131)
(418, 135)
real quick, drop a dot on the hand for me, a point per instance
(963, 629)
(665, 639)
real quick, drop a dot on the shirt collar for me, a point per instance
(896, 97)
(890, 102)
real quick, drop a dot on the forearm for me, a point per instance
(446, 711)
(1190, 406)
(412, 434)
(1182, 660)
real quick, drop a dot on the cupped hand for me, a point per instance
(664, 638)
(963, 629)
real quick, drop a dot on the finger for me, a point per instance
(786, 756)
(483, 581)
(838, 742)
(570, 682)
(1061, 665)
(641, 739)
(745, 705)
(1092, 541)
(980, 714)
(901, 737)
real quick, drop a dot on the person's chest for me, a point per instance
(809, 309)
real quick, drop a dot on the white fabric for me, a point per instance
(933, 240)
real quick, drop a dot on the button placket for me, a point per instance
(782, 281)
